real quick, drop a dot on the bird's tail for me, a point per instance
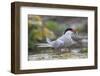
(48, 40)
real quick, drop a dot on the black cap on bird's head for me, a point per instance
(69, 29)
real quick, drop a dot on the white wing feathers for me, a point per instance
(55, 44)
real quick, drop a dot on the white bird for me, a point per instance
(68, 39)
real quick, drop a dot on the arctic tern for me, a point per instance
(68, 40)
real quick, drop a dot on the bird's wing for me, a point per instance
(57, 44)
(43, 45)
(53, 44)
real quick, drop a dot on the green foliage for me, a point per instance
(38, 32)
(52, 25)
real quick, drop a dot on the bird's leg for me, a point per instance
(63, 49)
(68, 49)
(55, 51)
(59, 51)
(69, 52)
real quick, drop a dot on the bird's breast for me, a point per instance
(68, 41)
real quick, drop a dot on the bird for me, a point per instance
(69, 39)
(64, 41)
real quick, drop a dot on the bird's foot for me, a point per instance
(63, 50)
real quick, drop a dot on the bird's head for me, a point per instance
(69, 30)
